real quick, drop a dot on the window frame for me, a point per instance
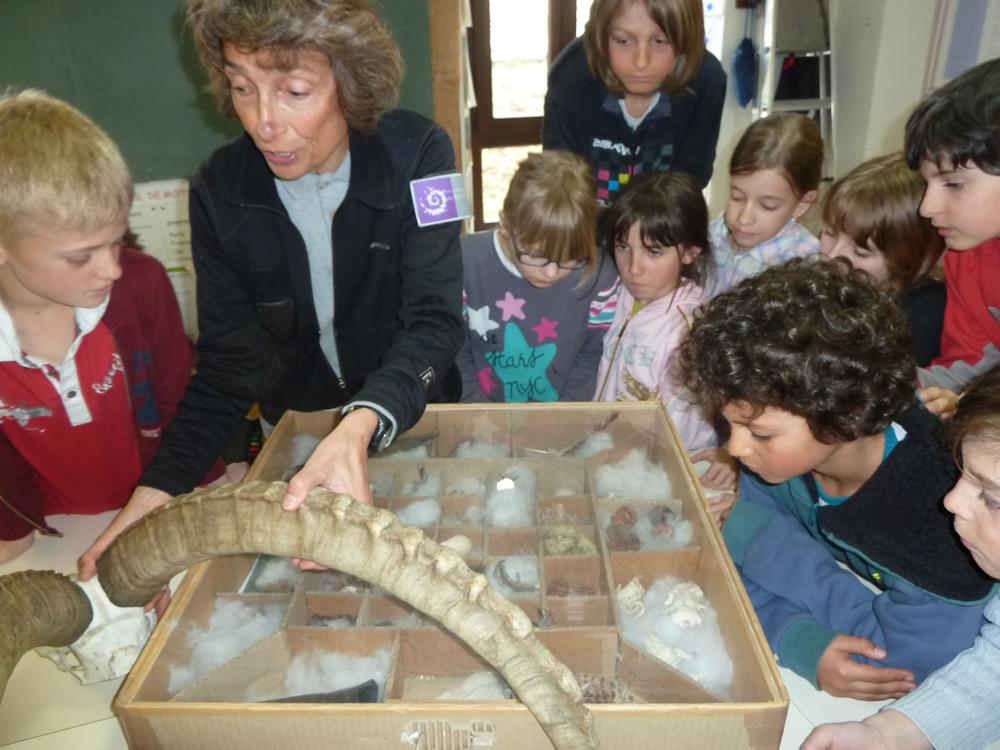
(499, 132)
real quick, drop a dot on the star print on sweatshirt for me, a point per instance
(529, 344)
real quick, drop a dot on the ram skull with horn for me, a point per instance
(333, 530)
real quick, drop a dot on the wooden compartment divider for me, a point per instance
(574, 610)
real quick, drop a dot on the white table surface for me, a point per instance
(45, 709)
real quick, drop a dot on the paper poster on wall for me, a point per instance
(184, 287)
(159, 217)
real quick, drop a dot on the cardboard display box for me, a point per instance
(574, 607)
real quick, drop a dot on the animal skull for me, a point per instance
(630, 598)
(685, 603)
(111, 644)
(333, 530)
(669, 654)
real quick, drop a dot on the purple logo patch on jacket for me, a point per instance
(439, 199)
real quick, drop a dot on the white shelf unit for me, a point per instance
(800, 28)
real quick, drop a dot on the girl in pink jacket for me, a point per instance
(659, 233)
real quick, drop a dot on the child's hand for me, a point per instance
(720, 505)
(723, 472)
(940, 401)
(15, 547)
(886, 730)
(235, 472)
(854, 735)
(838, 674)
(142, 501)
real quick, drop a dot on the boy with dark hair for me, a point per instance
(953, 138)
(812, 368)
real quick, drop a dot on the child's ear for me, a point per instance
(689, 253)
(805, 203)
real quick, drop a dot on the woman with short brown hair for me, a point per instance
(321, 280)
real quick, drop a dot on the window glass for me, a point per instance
(519, 45)
(499, 165)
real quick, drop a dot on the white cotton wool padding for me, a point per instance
(710, 664)
(421, 513)
(319, 672)
(478, 686)
(417, 451)
(477, 448)
(648, 540)
(233, 627)
(275, 574)
(594, 443)
(428, 486)
(634, 476)
(511, 502)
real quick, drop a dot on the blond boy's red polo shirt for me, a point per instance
(71, 421)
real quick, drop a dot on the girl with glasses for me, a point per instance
(538, 296)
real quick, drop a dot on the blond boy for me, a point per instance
(93, 356)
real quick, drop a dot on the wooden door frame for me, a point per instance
(498, 132)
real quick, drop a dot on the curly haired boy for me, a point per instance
(842, 479)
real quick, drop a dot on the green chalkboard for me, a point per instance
(131, 65)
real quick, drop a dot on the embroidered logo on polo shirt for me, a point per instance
(109, 380)
(22, 414)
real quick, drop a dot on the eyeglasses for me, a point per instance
(540, 261)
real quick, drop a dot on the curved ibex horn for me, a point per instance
(370, 543)
(38, 608)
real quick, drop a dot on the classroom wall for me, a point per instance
(132, 67)
(735, 119)
(880, 53)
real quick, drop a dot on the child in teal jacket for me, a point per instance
(842, 476)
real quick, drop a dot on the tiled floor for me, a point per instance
(75, 717)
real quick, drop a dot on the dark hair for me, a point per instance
(879, 200)
(788, 143)
(683, 21)
(959, 123)
(978, 415)
(811, 337)
(671, 212)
